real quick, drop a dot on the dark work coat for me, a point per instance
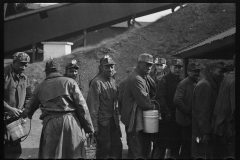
(183, 102)
(169, 134)
(204, 98)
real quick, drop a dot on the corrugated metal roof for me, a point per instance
(218, 36)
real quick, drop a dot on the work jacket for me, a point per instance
(17, 91)
(165, 92)
(183, 101)
(136, 99)
(224, 112)
(204, 99)
(60, 94)
(122, 86)
(102, 100)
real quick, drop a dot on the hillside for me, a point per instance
(161, 38)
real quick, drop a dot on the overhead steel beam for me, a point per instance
(33, 27)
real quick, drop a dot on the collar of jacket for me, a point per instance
(173, 77)
(210, 79)
(19, 76)
(106, 77)
(54, 75)
(190, 80)
(140, 73)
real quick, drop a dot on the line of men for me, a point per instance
(187, 108)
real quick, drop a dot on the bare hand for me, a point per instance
(14, 112)
(206, 139)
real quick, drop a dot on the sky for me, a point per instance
(149, 18)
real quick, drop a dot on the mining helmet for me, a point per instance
(145, 57)
(21, 57)
(107, 60)
(72, 64)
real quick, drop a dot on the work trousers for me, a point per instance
(12, 149)
(109, 144)
(223, 147)
(139, 144)
(186, 142)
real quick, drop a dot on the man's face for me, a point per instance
(19, 67)
(218, 74)
(160, 67)
(72, 73)
(175, 70)
(145, 67)
(194, 75)
(109, 70)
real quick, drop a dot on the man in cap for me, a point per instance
(158, 69)
(71, 71)
(169, 134)
(224, 118)
(183, 102)
(136, 99)
(102, 103)
(204, 99)
(100, 70)
(64, 114)
(17, 93)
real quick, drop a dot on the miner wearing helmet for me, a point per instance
(71, 71)
(17, 93)
(159, 69)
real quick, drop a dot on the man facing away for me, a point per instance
(204, 99)
(64, 114)
(17, 93)
(224, 118)
(137, 99)
(183, 102)
(102, 103)
(169, 134)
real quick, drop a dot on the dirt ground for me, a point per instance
(31, 144)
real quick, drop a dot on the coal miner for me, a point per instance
(64, 114)
(72, 71)
(204, 100)
(139, 90)
(100, 70)
(183, 101)
(17, 93)
(169, 134)
(159, 69)
(224, 118)
(103, 107)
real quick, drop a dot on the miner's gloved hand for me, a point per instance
(24, 114)
(206, 139)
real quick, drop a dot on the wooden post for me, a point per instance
(33, 53)
(5, 9)
(85, 38)
(128, 23)
(185, 64)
